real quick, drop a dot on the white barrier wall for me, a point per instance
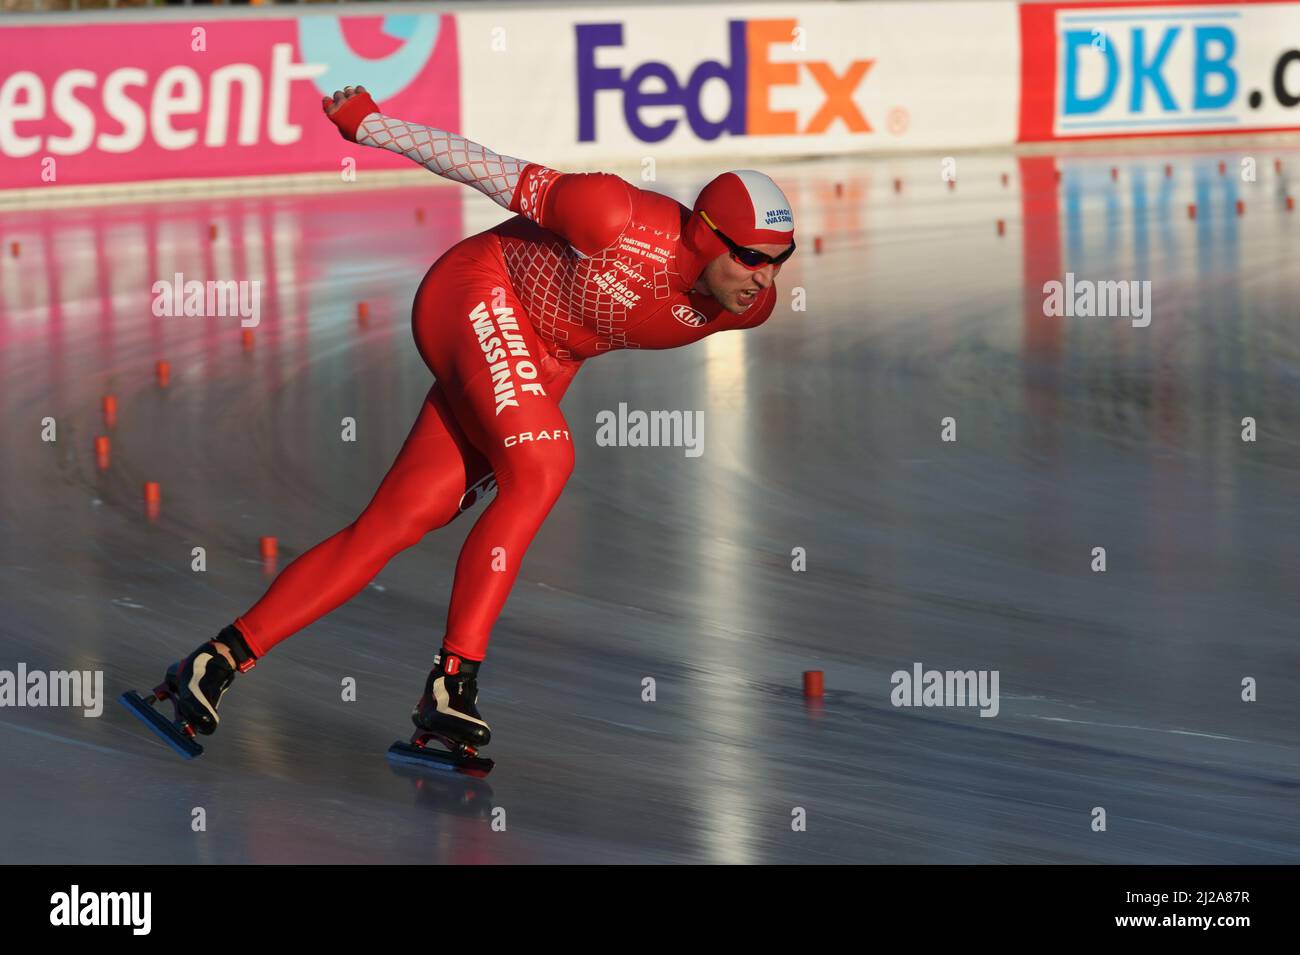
(119, 96)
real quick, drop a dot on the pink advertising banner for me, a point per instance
(119, 102)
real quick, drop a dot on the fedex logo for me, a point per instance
(750, 75)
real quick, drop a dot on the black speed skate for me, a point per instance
(447, 713)
(195, 687)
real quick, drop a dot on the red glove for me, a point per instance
(349, 116)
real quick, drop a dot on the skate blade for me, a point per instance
(415, 754)
(167, 730)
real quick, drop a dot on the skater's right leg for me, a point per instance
(504, 389)
(424, 490)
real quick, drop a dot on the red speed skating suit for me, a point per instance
(504, 319)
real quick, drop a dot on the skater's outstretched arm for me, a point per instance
(589, 210)
(440, 151)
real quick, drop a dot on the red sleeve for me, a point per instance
(589, 210)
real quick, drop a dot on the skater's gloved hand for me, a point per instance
(347, 109)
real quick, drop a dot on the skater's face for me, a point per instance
(736, 286)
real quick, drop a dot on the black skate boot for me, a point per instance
(447, 713)
(195, 687)
(448, 705)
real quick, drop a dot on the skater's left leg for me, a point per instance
(423, 490)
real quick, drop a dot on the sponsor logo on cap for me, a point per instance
(771, 207)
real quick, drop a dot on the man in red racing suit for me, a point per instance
(504, 320)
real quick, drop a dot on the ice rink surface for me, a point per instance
(1120, 690)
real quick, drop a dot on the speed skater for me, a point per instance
(504, 319)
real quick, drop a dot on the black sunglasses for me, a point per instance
(751, 259)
